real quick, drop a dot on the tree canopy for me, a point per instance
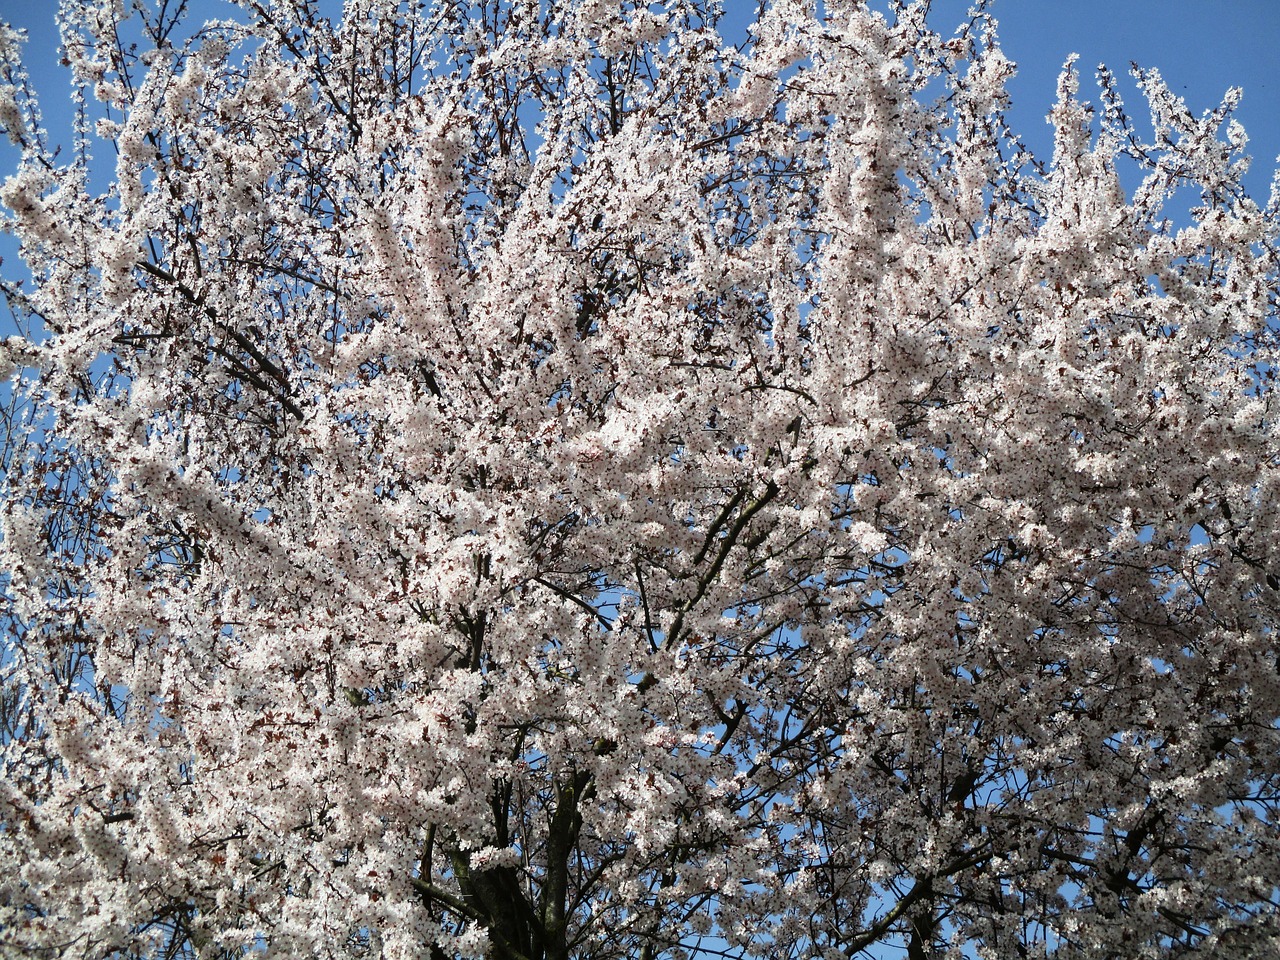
(526, 478)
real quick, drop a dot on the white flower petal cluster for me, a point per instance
(530, 480)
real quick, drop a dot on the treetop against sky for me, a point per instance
(529, 480)
(1203, 49)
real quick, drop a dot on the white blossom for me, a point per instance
(529, 480)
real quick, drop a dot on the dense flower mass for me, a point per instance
(526, 478)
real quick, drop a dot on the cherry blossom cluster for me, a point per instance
(533, 480)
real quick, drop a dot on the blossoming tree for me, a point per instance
(528, 479)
